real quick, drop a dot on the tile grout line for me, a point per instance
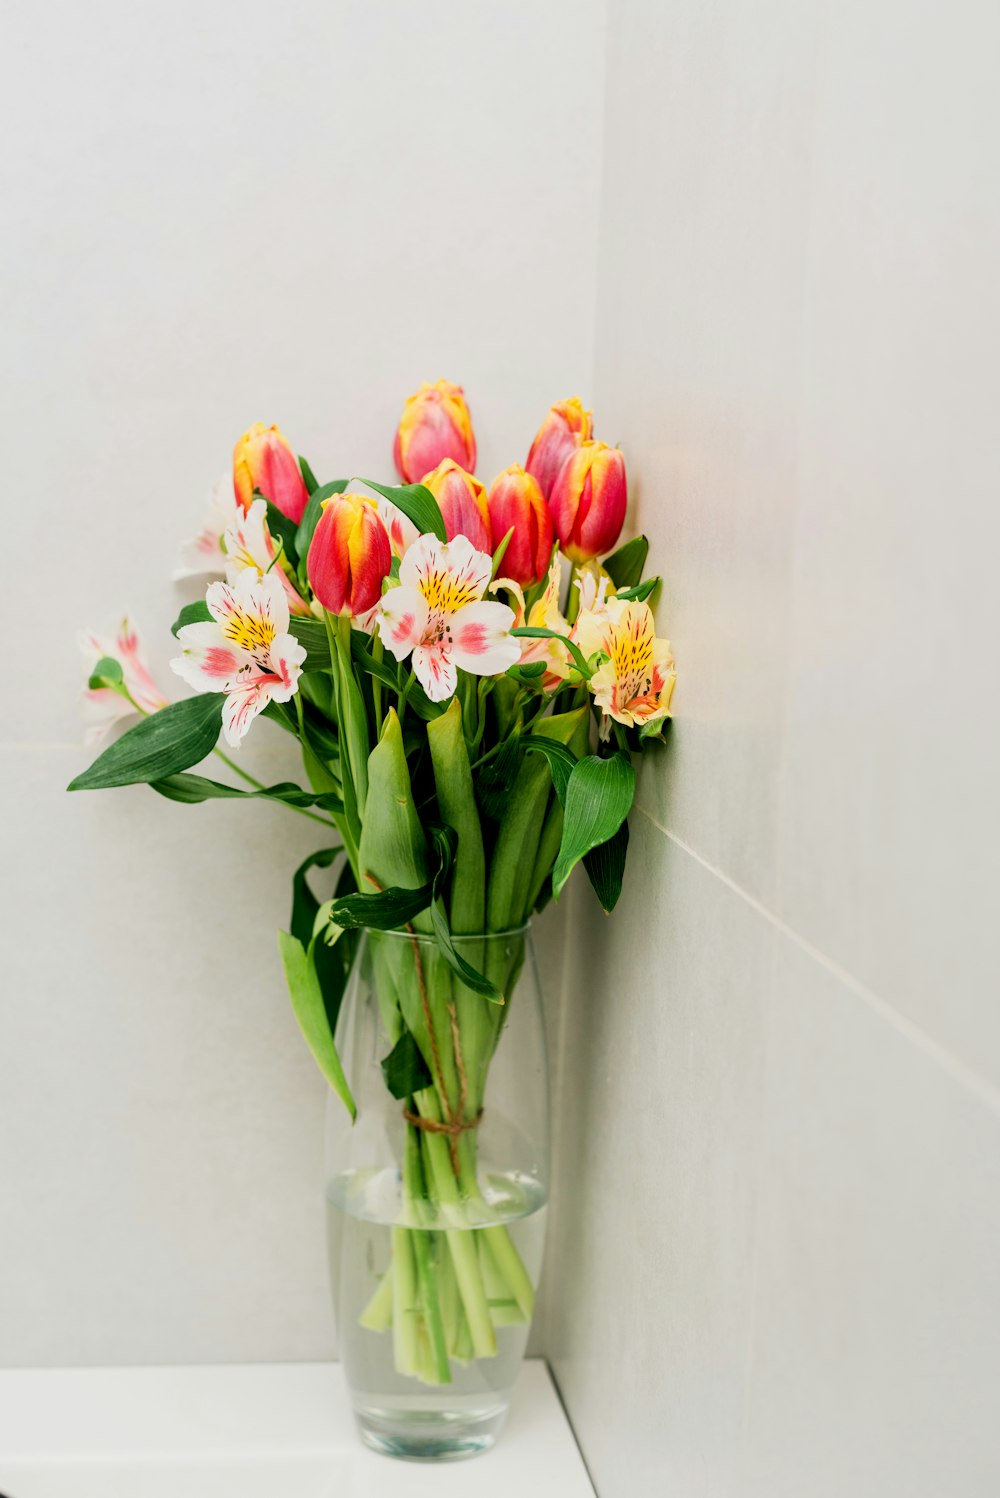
(977, 1084)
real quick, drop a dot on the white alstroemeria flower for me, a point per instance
(402, 531)
(635, 682)
(245, 650)
(437, 612)
(249, 545)
(204, 552)
(594, 586)
(103, 705)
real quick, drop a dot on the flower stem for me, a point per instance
(260, 786)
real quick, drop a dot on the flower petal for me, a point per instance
(480, 639)
(448, 574)
(403, 616)
(242, 705)
(435, 672)
(285, 660)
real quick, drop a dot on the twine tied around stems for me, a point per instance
(454, 1127)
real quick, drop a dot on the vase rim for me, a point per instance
(427, 938)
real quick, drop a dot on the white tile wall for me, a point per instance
(776, 1246)
(214, 215)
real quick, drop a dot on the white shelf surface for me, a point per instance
(253, 1431)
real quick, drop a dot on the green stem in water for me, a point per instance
(405, 1343)
(413, 1179)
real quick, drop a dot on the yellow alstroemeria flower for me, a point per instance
(635, 683)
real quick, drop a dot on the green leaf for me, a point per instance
(308, 477)
(445, 841)
(417, 504)
(605, 867)
(191, 613)
(311, 634)
(624, 567)
(192, 789)
(284, 530)
(500, 552)
(641, 591)
(404, 1069)
(562, 761)
(305, 905)
(310, 1011)
(536, 632)
(311, 514)
(381, 909)
(598, 798)
(106, 673)
(167, 741)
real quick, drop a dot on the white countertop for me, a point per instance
(252, 1431)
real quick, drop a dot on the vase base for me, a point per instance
(429, 1436)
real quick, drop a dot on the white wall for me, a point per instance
(776, 1262)
(215, 214)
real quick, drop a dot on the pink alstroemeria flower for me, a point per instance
(249, 544)
(245, 650)
(437, 612)
(103, 705)
(635, 683)
(205, 551)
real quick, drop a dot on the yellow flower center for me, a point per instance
(250, 632)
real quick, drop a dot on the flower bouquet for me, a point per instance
(469, 674)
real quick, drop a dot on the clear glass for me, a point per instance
(436, 1203)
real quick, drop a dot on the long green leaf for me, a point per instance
(624, 567)
(310, 1011)
(561, 761)
(598, 798)
(605, 867)
(190, 790)
(381, 909)
(162, 744)
(417, 504)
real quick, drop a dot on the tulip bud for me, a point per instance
(263, 460)
(560, 434)
(462, 502)
(588, 501)
(349, 556)
(516, 500)
(435, 425)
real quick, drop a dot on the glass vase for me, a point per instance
(436, 1198)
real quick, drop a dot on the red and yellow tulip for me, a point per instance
(588, 501)
(350, 555)
(515, 500)
(462, 502)
(263, 460)
(435, 425)
(558, 437)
